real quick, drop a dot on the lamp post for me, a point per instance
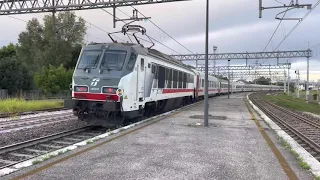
(206, 101)
(228, 79)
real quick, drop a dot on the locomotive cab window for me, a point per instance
(113, 60)
(132, 61)
(89, 59)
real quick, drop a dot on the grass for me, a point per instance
(43, 159)
(20, 105)
(302, 94)
(293, 103)
(49, 157)
(302, 163)
(317, 178)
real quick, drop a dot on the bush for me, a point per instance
(14, 75)
(53, 79)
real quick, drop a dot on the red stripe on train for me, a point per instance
(167, 91)
(94, 96)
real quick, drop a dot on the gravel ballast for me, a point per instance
(22, 135)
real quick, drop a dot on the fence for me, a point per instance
(35, 95)
(3, 93)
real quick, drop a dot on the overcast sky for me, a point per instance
(234, 27)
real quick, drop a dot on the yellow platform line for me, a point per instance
(285, 166)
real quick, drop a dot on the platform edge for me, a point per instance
(303, 154)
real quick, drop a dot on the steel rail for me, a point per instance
(308, 141)
(25, 144)
(315, 124)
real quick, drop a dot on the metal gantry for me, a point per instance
(247, 68)
(8, 7)
(246, 55)
(256, 73)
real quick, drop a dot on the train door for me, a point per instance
(141, 79)
(198, 85)
(150, 71)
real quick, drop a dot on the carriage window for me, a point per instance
(180, 79)
(113, 60)
(132, 61)
(89, 59)
(191, 79)
(184, 80)
(175, 78)
(153, 70)
(169, 78)
(202, 82)
(142, 64)
(161, 77)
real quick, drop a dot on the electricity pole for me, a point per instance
(228, 79)
(288, 82)
(206, 101)
(298, 82)
(307, 85)
(284, 82)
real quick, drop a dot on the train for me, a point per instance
(114, 82)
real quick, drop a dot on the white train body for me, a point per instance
(115, 81)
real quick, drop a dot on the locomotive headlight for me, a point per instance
(109, 90)
(81, 89)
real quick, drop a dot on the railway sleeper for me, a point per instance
(51, 146)
(7, 161)
(62, 142)
(21, 155)
(35, 150)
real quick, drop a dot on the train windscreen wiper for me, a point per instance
(92, 64)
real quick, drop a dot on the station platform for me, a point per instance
(180, 147)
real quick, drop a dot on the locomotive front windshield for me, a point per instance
(113, 60)
(89, 59)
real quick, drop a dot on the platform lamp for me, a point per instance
(214, 59)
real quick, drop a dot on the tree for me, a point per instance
(40, 45)
(53, 79)
(262, 80)
(14, 75)
(191, 67)
(8, 51)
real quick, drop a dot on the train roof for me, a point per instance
(139, 49)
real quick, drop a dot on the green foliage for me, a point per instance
(262, 80)
(53, 79)
(14, 74)
(41, 44)
(8, 51)
(21, 105)
(189, 66)
(220, 77)
(293, 103)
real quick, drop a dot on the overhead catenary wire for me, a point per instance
(279, 2)
(304, 17)
(276, 29)
(164, 31)
(149, 36)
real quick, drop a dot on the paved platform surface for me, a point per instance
(176, 148)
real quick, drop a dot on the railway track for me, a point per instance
(16, 153)
(10, 125)
(304, 130)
